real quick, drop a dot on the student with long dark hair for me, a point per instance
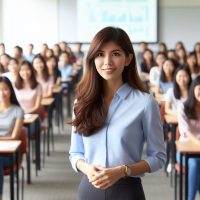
(166, 77)
(11, 120)
(113, 116)
(189, 127)
(52, 65)
(192, 65)
(42, 75)
(27, 89)
(179, 92)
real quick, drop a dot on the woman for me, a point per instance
(52, 66)
(11, 120)
(147, 64)
(27, 89)
(13, 67)
(166, 77)
(114, 116)
(189, 127)
(154, 74)
(179, 92)
(42, 76)
(192, 64)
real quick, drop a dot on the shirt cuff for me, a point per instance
(154, 163)
(74, 160)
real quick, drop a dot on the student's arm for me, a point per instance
(58, 81)
(49, 92)
(36, 107)
(168, 109)
(193, 138)
(17, 127)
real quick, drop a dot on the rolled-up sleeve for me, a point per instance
(76, 151)
(153, 132)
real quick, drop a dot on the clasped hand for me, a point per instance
(101, 177)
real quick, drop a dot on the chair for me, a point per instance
(177, 167)
(23, 149)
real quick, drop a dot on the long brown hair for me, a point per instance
(90, 112)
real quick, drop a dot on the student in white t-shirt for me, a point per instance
(179, 92)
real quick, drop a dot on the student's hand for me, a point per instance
(106, 177)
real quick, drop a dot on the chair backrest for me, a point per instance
(42, 113)
(23, 138)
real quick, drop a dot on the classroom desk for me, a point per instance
(9, 148)
(189, 149)
(27, 122)
(69, 82)
(48, 104)
(58, 93)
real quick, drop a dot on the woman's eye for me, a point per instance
(116, 54)
(99, 54)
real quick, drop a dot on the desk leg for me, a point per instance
(69, 101)
(28, 160)
(17, 173)
(37, 145)
(11, 179)
(186, 177)
(181, 177)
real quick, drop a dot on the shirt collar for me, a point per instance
(123, 91)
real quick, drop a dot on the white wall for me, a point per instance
(52, 21)
(29, 21)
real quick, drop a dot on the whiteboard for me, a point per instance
(139, 18)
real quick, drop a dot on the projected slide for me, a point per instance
(137, 17)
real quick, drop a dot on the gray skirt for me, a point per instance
(124, 189)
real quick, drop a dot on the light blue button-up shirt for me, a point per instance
(133, 118)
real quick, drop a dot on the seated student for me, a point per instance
(179, 92)
(162, 48)
(2, 48)
(192, 64)
(13, 67)
(42, 76)
(147, 64)
(52, 66)
(18, 54)
(4, 60)
(143, 46)
(189, 121)
(27, 89)
(166, 77)
(65, 67)
(155, 71)
(78, 53)
(11, 120)
(56, 50)
(1, 69)
(182, 56)
(30, 55)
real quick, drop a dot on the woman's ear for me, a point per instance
(128, 59)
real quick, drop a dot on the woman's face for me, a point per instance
(197, 93)
(147, 55)
(182, 78)
(38, 64)
(110, 61)
(191, 60)
(51, 63)
(13, 67)
(25, 72)
(5, 93)
(160, 59)
(168, 67)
